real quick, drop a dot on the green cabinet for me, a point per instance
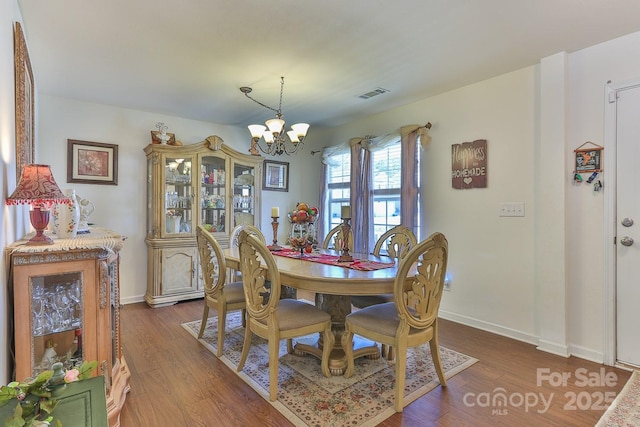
(83, 404)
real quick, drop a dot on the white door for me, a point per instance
(628, 226)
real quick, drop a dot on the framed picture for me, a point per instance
(276, 176)
(92, 162)
(588, 160)
(25, 113)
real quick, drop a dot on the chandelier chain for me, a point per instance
(279, 110)
(273, 133)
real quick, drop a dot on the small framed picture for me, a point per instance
(276, 176)
(588, 160)
(92, 162)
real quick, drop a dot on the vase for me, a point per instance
(66, 217)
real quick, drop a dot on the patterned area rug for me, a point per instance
(625, 409)
(307, 398)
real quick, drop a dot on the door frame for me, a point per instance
(610, 221)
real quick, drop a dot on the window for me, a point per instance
(385, 168)
(338, 186)
(384, 183)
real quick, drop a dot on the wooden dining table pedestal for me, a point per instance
(338, 306)
(334, 285)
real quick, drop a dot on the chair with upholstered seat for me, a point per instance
(272, 318)
(395, 243)
(412, 319)
(233, 241)
(335, 235)
(251, 229)
(286, 291)
(218, 295)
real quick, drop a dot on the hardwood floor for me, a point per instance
(175, 381)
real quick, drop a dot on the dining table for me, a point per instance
(333, 283)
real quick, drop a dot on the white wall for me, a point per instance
(590, 69)
(122, 208)
(491, 258)
(498, 284)
(493, 266)
(14, 221)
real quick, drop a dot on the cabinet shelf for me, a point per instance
(59, 290)
(173, 268)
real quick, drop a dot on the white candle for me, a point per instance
(345, 212)
(275, 211)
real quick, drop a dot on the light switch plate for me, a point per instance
(511, 209)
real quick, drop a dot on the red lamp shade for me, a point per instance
(38, 188)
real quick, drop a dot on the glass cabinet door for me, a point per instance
(213, 194)
(244, 197)
(178, 196)
(56, 320)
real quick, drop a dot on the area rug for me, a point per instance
(625, 409)
(307, 398)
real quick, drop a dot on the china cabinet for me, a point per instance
(207, 183)
(66, 308)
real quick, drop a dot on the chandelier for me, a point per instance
(273, 133)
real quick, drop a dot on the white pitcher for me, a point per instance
(66, 217)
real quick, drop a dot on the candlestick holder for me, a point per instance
(345, 229)
(274, 225)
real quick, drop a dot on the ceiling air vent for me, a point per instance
(377, 91)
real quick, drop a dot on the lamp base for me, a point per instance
(40, 240)
(39, 220)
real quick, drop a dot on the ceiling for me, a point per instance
(189, 58)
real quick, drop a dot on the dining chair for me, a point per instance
(251, 229)
(221, 296)
(334, 235)
(270, 317)
(395, 243)
(286, 291)
(412, 319)
(233, 240)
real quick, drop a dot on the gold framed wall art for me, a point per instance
(25, 113)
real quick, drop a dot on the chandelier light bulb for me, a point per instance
(300, 129)
(268, 137)
(293, 137)
(256, 130)
(275, 126)
(277, 142)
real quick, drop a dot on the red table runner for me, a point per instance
(356, 264)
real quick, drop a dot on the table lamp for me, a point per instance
(38, 188)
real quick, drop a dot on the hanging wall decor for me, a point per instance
(588, 159)
(469, 164)
(25, 112)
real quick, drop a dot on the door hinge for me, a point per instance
(613, 96)
(614, 240)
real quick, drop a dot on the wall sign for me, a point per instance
(588, 159)
(469, 164)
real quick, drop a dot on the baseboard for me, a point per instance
(489, 327)
(132, 300)
(586, 353)
(560, 350)
(542, 345)
(554, 348)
